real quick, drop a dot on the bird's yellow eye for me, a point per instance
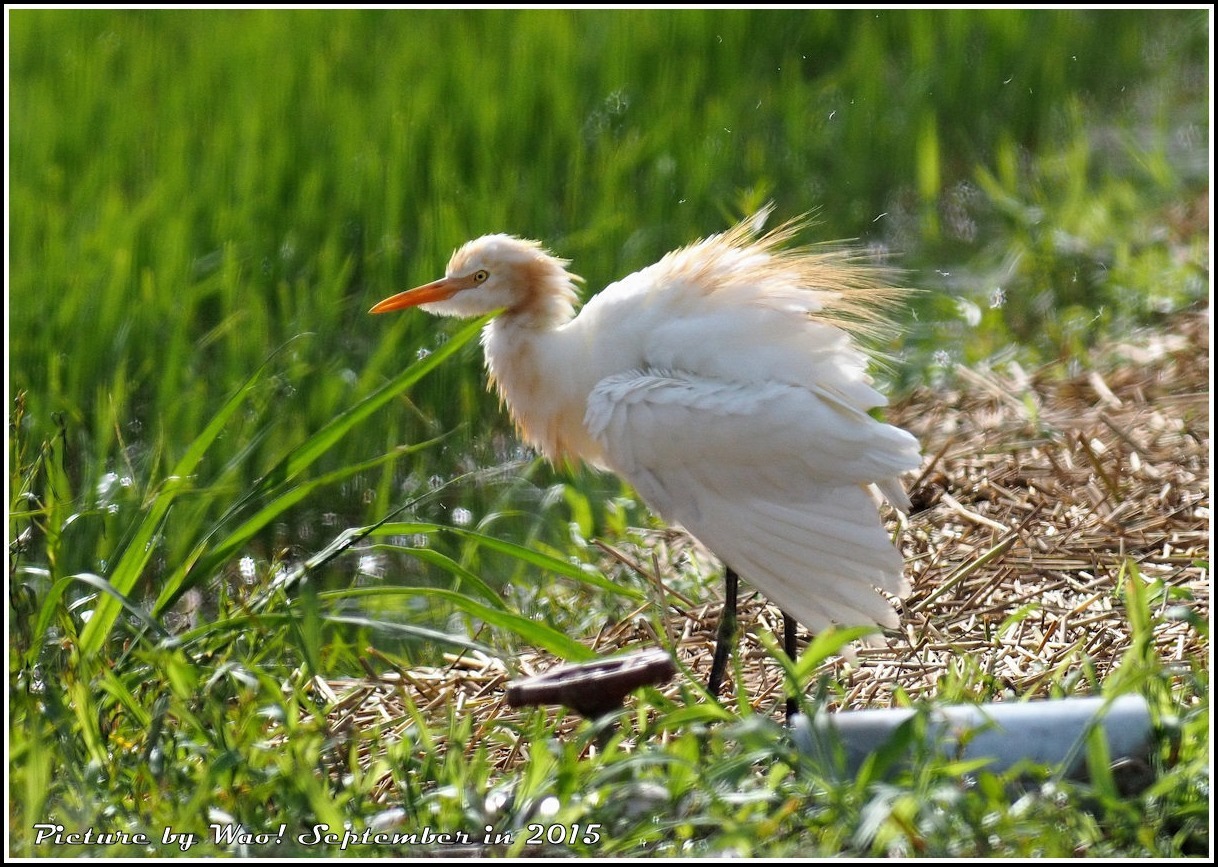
(481, 276)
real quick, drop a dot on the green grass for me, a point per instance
(204, 204)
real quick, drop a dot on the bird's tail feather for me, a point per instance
(820, 562)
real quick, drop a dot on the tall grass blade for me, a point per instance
(205, 559)
(534, 633)
(139, 551)
(198, 567)
(303, 456)
(520, 552)
(222, 631)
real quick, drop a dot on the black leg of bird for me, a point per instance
(727, 632)
(789, 625)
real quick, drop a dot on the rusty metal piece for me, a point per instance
(593, 689)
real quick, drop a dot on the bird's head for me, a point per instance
(495, 272)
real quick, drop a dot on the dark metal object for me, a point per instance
(594, 689)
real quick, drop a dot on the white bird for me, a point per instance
(724, 384)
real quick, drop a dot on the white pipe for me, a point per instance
(1048, 732)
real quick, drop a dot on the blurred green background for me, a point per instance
(192, 190)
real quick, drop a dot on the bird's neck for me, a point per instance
(537, 366)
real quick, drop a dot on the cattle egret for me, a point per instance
(725, 385)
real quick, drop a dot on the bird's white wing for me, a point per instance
(776, 479)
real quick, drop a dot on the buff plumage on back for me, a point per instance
(742, 265)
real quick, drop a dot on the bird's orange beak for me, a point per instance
(440, 290)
